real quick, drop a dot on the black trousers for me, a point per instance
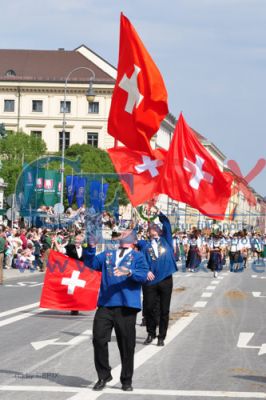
(161, 292)
(123, 320)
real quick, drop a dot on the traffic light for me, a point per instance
(2, 131)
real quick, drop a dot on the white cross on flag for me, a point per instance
(139, 101)
(69, 285)
(144, 168)
(191, 175)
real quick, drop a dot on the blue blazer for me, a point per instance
(164, 265)
(118, 291)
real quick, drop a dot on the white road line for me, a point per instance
(200, 304)
(207, 294)
(11, 320)
(18, 309)
(215, 282)
(220, 277)
(210, 287)
(141, 356)
(145, 392)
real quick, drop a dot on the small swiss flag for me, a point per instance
(69, 285)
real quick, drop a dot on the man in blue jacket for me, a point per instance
(159, 254)
(123, 273)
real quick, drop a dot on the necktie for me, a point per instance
(122, 251)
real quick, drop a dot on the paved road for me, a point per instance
(214, 348)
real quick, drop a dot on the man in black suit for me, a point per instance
(75, 251)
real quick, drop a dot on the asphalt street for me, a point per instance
(215, 348)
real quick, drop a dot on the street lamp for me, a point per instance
(90, 95)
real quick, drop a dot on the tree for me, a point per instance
(15, 150)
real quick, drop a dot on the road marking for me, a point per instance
(24, 284)
(211, 287)
(220, 277)
(200, 304)
(20, 317)
(245, 338)
(53, 342)
(259, 277)
(145, 392)
(215, 282)
(141, 356)
(18, 309)
(257, 294)
(207, 294)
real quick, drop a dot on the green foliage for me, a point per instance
(15, 150)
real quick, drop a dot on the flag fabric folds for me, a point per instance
(145, 169)
(191, 175)
(139, 101)
(69, 285)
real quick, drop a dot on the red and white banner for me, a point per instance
(69, 285)
(139, 101)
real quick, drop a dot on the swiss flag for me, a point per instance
(145, 169)
(191, 174)
(139, 101)
(69, 285)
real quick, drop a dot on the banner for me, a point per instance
(80, 185)
(98, 194)
(46, 187)
(29, 177)
(70, 188)
(69, 285)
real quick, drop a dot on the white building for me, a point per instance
(32, 86)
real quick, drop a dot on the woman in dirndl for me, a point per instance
(215, 256)
(194, 255)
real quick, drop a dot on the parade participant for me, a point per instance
(2, 254)
(215, 255)
(194, 255)
(159, 254)
(123, 272)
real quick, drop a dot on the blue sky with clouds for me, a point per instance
(211, 53)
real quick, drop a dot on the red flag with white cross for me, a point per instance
(145, 169)
(69, 285)
(139, 101)
(191, 175)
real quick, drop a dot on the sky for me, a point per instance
(211, 54)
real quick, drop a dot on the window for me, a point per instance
(92, 139)
(9, 105)
(68, 107)
(10, 72)
(36, 134)
(67, 140)
(93, 108)
(37, 105)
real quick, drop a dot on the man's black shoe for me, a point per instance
(127, 387)
(149, 339)
(160, 342)
(101, 383)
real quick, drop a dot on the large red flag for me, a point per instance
(69, 285)
(191, 175)
(145, 169)
(139, 101)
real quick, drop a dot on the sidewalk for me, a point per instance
(14, 273)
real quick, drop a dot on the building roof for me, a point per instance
(48, 65)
